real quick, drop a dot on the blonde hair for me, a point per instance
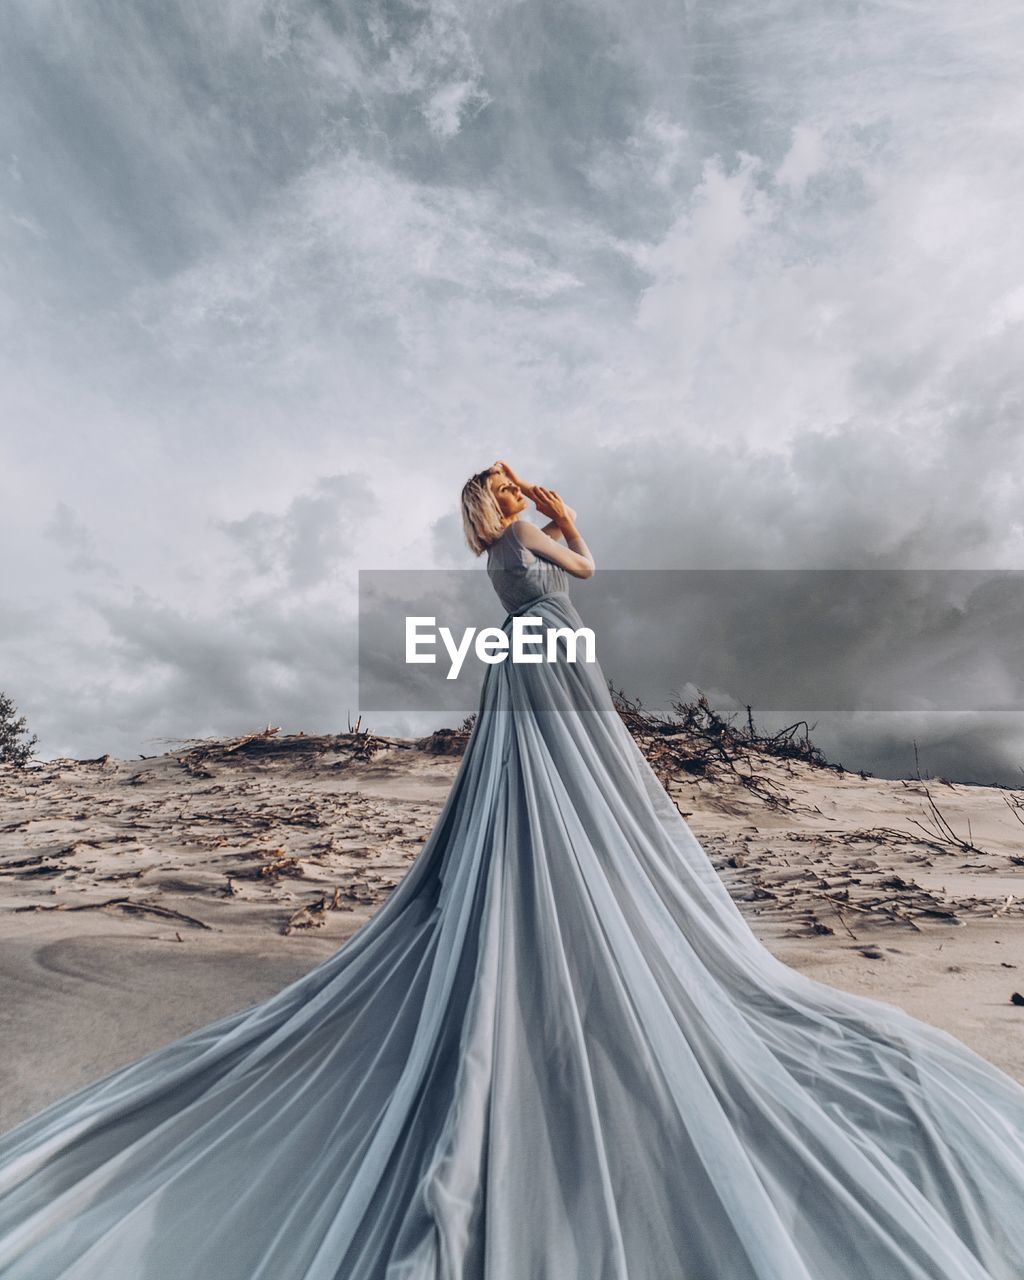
(482, 519)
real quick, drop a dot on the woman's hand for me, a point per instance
(548, 503)
(528, 489)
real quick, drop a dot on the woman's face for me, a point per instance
(508, 495)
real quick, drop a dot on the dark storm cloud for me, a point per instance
(313, 537)
(249, 667)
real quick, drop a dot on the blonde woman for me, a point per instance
(556, 1052)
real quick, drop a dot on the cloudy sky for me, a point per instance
(743, 281)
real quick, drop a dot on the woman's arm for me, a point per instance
(575, 557)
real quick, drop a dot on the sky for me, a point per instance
(743, 282)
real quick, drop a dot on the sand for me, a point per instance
(143, 899)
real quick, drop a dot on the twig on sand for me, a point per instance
(313, 915)
(943, 831)
(1016, 807)
(126, 904)
(842, 921)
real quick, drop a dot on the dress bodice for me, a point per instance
(517, 575)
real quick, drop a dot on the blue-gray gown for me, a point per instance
(556, 1052)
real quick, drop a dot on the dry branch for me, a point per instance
(701, 742)
(126, 904)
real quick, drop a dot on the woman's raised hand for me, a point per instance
(528, 489)
(548, 503)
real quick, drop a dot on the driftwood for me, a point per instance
(359, 889)
(286, 865)
(445, 742)
(126, 904)
(700, 742)
(313, 915)
(449, 742)
(359, 744)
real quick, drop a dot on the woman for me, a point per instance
(557, 1050)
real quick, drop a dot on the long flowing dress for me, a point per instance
(556, 1052)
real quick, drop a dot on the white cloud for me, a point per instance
(805, 157)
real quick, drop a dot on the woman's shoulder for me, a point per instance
(513, 542)
(525, 530)
(510, 531)
(527, 538)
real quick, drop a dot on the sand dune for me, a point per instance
(141, 899)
